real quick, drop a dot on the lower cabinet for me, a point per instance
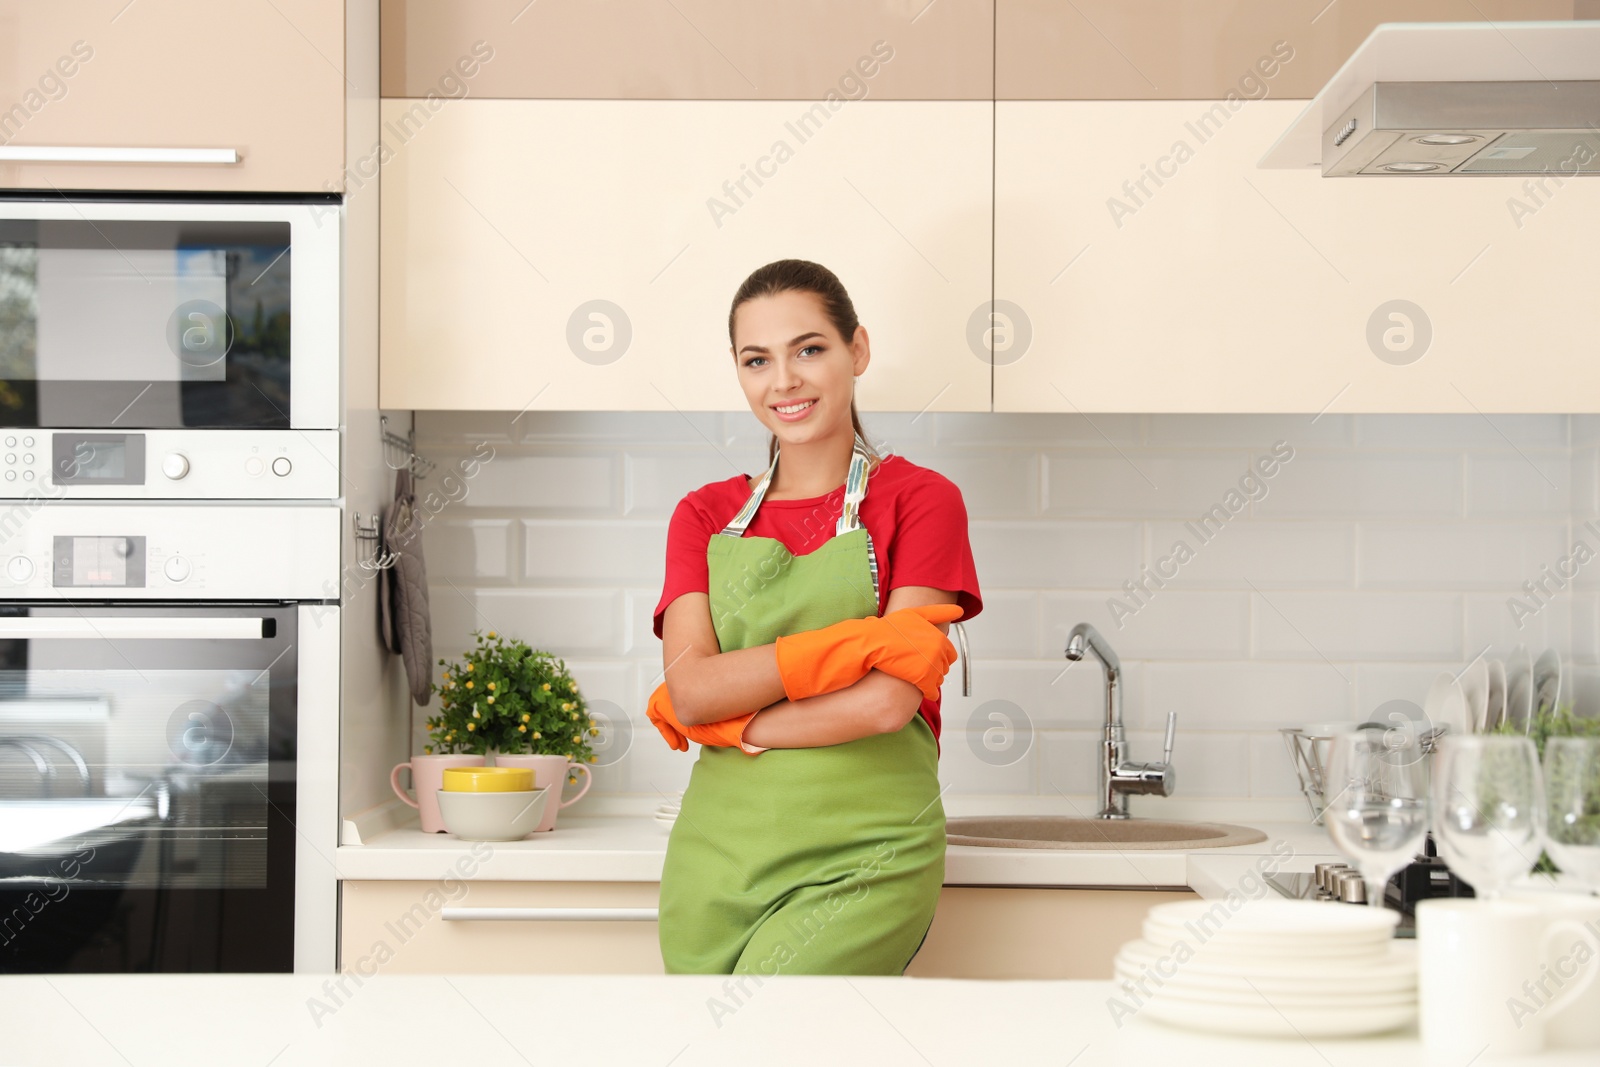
(1005, 932)
(424, 927)
(471, 927)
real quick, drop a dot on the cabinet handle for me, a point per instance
(503, 915)
(103, 154)
(129, 628)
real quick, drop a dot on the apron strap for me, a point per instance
(855, 491)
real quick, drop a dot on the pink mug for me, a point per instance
(549, 770)
(427, 778)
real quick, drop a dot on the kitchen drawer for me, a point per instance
(405, 927)
(1005, 932)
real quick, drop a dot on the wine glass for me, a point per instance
(1377, 811)
(1489, 809)
(1572, 787)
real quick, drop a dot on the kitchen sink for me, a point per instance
(1060, 831)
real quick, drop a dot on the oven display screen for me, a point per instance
(97, 458)
(115, 562)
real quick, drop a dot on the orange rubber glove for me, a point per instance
(904, 643)
(725, 734)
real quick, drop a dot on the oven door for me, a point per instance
(168, 315)
(147, 787)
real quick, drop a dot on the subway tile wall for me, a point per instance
(1379, 551)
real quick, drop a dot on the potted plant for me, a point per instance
(521, 707)
(1544, 724)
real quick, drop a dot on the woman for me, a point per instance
(803, 626)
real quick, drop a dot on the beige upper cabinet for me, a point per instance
(580, 254)
(116, 79)
(1144, 263)
(1205, 49)
(691, 49)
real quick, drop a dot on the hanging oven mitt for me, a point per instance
(403, 535)
(725, 734)
(905, 643)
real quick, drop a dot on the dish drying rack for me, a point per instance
(1308, 750)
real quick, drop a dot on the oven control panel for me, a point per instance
(214, 552)
(169, 464)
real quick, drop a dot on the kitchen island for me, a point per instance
(491, 1020)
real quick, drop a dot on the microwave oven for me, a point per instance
(166, 348)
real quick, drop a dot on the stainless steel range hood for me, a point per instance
(1453, 99)
(1476, 127)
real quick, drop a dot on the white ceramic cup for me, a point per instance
(1473, 958)
(1578, 1026)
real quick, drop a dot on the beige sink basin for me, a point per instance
(1060, 831)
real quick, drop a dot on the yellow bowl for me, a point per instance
(488, 779)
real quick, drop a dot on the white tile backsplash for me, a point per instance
(1385, 551)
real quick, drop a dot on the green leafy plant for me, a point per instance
(512, 698)
(1545, 724)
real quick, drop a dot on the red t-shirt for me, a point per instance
(916, 516)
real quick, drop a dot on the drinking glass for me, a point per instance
(1377, 811)
(1572, 787)
(1489, 808)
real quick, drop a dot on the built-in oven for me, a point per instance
(169, 695)
(163, 348)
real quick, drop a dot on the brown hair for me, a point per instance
(801, 275)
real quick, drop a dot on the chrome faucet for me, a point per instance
(1119, 776)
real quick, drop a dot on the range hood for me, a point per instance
(1434, 99)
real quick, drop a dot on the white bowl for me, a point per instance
(508, 816)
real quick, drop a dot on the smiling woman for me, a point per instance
(804, 648)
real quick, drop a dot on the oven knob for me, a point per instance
(19, 569)
(177, 568)
(281, 466)
(253, 466)
(175, 466)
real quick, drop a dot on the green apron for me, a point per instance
(807, 860)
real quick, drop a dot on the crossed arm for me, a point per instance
(708, 685)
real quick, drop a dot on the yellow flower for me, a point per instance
(469, 685)
(545, 687)
(594, 733)
(491, 685)
(526, 716)
(475, 714)
(428, 749)
(491, 633)
(472, 726)
(565, 706)
(572, 686)
(522, 729)
(574, 715)
(593, 758)
(491, 700)
(577, 738)
(469, 667)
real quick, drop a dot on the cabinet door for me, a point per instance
(583, 254)
(1148, 265)
(401, 927)
(1003, 932)
(265, 80)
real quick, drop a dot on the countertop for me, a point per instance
(287, 1020)
(620, 842)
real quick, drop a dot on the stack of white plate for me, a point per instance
(667, 813)
(1270, 968)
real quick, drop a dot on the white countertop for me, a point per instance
(616, 844)
(600, 1020)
